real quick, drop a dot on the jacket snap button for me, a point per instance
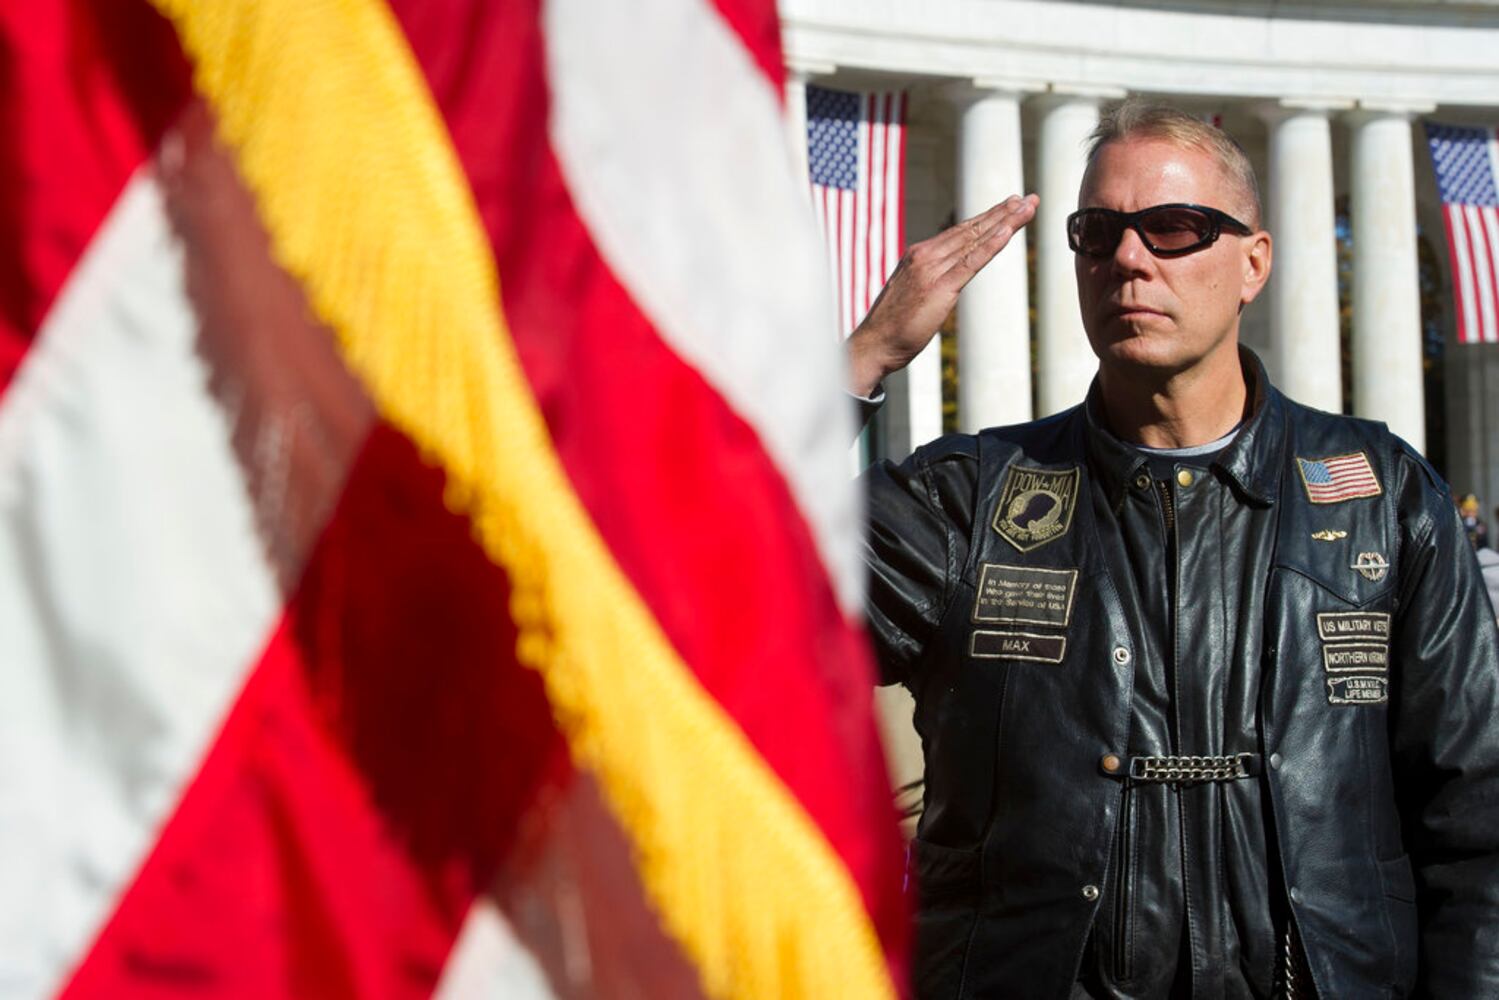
(1275, 762)
(1142, 481)
(1295, 894)
(1090, 892)
(1121, 655)
(1184, 478)
(1110, 763)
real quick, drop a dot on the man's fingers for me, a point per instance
(1000, 228)
(955, 239)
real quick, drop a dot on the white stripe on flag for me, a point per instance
(1467, 294)
(831, 239)
(489, 961)
(134, 596)
(1483, 271)
(752, 269)
(893, 186)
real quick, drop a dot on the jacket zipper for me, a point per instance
(1295, 979)
(1168, 516)
(1124, 966)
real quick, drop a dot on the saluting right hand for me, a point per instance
(924, 288)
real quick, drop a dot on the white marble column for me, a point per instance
(1304, 279)
(1065, 364)
(994, 354)
(913, 411)
(796, 122)
(1387, 383)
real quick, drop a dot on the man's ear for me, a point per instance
(1257, 255)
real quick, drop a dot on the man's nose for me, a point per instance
(1131, 256)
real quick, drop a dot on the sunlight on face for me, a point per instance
(1167, 315)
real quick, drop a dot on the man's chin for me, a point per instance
(1144, 353)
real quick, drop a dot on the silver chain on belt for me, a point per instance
(1226, 767)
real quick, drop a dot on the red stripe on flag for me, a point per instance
(366, 784)
(862, 192)
(900, 180)
(877, 125)
(1486, 303)
(680, 487)
(1490, 225)
(86, 91)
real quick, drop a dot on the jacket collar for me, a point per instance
(1252, 461)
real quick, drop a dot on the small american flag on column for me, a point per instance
(856, 161)
(1466, 160)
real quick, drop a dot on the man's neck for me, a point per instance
(1176, 410)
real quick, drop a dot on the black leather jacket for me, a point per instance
(1349, 644)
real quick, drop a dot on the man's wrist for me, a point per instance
(868, 364)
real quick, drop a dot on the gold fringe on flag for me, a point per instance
(336, 134)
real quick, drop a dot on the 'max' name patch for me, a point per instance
(995, 645)
(1035, 506)
(1021, 595)
(1352, 626)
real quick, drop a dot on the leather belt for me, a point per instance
(1189, 770)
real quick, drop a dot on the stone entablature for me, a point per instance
(1424, 52)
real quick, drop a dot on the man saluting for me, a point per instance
(1206, 680)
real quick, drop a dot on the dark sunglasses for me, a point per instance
(1166, 230)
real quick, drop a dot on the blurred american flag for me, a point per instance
(856, 161)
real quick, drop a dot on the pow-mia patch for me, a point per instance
(1035, 506)
(1018, 646)
(1022, 595)
(1354, 626)
(1339, 478)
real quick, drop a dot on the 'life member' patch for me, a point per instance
(1035, 506)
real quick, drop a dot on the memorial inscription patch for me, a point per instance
(1023, 595)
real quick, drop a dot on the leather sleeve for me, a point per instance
(920, 515)
(1444, 718)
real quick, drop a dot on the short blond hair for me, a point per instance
(1139, 119)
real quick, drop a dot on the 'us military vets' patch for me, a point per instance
(1342, 477)
(1035, 506)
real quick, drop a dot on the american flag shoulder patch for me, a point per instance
(1342, 477)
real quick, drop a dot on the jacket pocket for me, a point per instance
(944, 874)
(1400, 904)
(947, 885)
(1122, 905)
